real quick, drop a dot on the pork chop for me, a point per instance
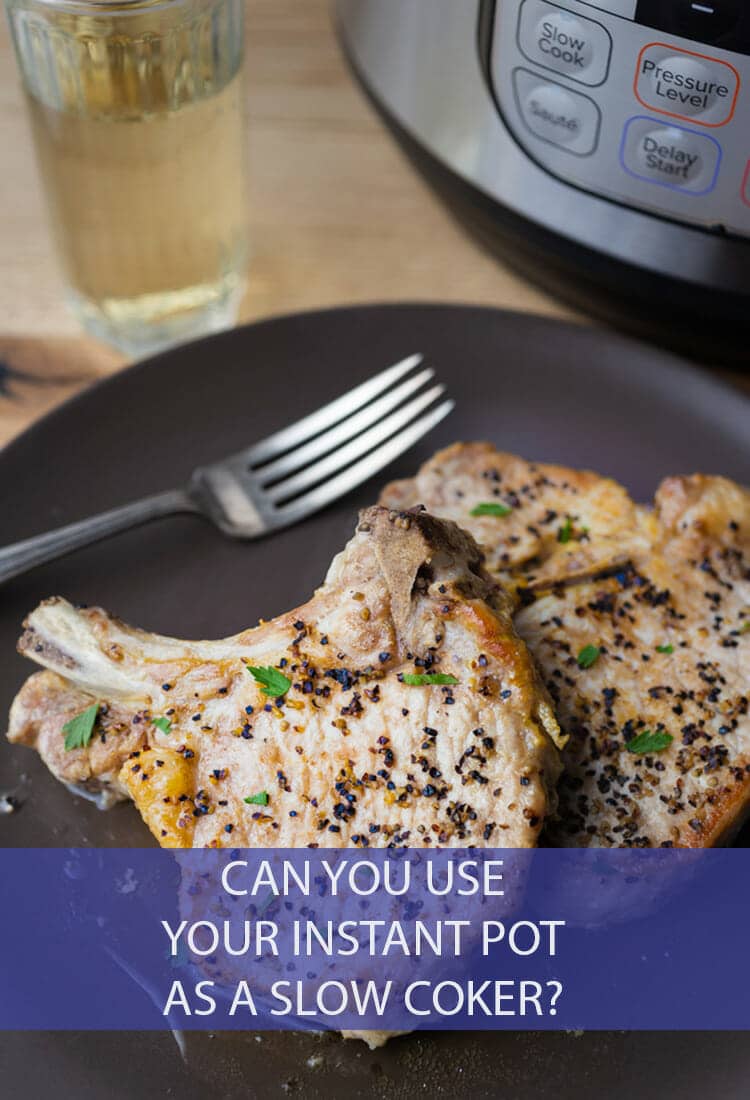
(397, 708)
(639, 620)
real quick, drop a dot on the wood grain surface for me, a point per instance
(337, 215)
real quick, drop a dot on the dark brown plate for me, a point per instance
(547, 390)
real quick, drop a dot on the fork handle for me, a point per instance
(22, 556)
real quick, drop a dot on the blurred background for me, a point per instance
(336, 214)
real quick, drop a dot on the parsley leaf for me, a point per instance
(162, 724)
(588, 656)
(272, 682)
(78, 730)
(665, 649)
(270, 898)
(420, 679)
(494, 508)
(646, 741)
(745, 628)
(565, 533)
(181, 956)
(259, 799)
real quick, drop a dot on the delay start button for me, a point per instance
(556, 114)
(556, 39)
(686, 85)
(671, 156)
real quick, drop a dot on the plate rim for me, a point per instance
(672, 368)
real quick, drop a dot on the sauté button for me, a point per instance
(557, 115)
(570, 44)
(671, 156)
(686, 85)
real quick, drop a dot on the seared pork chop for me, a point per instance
(306, 731)
(640, 622)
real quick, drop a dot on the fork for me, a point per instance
(279, 480)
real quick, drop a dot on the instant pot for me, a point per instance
(604, 147)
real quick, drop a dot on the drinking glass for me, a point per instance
(136, 109)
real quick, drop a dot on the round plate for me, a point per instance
(545, 390)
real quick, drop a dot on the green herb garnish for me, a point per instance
(79, 729)
(162, 724)
(181, 956)
(417, 679)
(271, 897)
(665, 649)
(650, 742)
(565, 533)
(491, 509)
(259, 799)
(745, 628)
(588, 656)
(272, 682)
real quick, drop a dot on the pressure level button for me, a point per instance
(567, 43)
(686, 85)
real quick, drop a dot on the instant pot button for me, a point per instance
(686, 85)
(557, 115)
(570, 44)
(670, 156)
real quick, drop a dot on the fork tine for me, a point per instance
(362, 470)
(343, 431)
(295, 434)
(338, 460)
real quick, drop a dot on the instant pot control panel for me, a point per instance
(646, 102)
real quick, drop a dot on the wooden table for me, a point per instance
(337, 215)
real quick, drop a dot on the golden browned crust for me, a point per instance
(45, 703)
(544, 501)
(668, 611)
(351, 753)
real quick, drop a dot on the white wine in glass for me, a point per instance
(137, 115)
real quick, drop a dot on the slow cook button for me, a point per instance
(570, 44)
(686, 85)
(671, 156)
(557, 115)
